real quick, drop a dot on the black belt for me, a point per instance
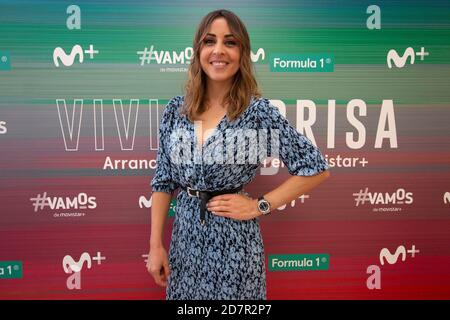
(205, 196)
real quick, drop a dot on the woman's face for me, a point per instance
(220, 53)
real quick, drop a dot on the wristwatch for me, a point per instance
(263, 205)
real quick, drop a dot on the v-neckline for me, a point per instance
(217, 127)
(214, 131)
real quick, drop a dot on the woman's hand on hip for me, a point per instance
(234, 205)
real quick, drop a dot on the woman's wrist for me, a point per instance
(156, 244)
(255, 210)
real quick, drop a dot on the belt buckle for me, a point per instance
(189, 192)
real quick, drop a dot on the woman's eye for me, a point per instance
(228, 43)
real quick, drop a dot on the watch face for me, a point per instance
(263, 206)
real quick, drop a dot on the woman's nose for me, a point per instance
(218, 47)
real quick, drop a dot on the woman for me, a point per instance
(216, 250)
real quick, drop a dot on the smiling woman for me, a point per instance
(216, 250)
(221, 71)
(220, 54)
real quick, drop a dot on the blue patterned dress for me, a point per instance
(224, 258)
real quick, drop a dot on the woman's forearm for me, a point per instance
(160, 207)
(294, 187)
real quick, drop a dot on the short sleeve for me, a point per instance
(162, 179)
(298, 153)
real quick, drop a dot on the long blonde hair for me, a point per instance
(244, 85)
